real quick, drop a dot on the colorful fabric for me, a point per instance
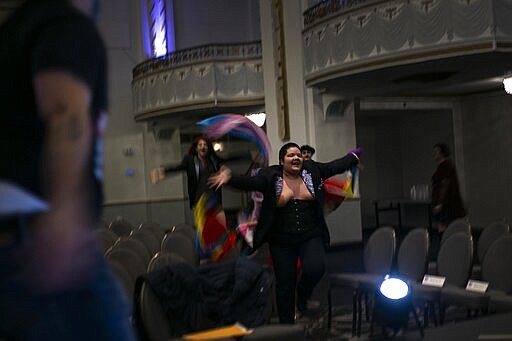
(337, 189)
(247, 221)
(237, 126)
(213, 240)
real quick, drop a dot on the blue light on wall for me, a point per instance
(158, 28)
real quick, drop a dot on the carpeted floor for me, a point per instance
(315, 323)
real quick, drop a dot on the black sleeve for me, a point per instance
(337, 166)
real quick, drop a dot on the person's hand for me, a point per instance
(357, 152)
(220, 178)
(157, 175)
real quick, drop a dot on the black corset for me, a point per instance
(296, 217)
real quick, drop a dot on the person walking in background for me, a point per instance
(447, 201)
(307, 152)
(447, 204)
(292, 220)
(54, 281)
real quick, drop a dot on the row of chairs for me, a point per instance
(154, 322)
(454, 262)
(130, 254)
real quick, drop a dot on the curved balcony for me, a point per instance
(452, 41)
(195, 81)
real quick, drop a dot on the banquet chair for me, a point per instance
(378, 258)
(454, 264)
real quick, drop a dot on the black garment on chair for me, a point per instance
(214, 295)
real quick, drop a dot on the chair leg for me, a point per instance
(433, 312)
(426, 312)
(354, 312)
(418, 323)
(442, 309)
(359, 313)
(329, 311)
(366, 308)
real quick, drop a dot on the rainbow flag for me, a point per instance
(213, 240)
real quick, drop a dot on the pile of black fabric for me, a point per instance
(198, 298)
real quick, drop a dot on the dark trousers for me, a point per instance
(284, 258)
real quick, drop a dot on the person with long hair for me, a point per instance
(291, 220)
(200, 162)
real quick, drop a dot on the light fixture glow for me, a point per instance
(394, 288)
(507, 84)
(258, 118)
(218, 146)
(159, 29)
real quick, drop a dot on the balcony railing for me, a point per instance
(343, 37)
(201, 77)
(326, 9)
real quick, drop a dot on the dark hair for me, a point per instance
(443, 148)
(308, 148)
(192, 151)
(284, 149)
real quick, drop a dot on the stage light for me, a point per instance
(393, 304)
(507, 84)
(258, 118)
(394, 288)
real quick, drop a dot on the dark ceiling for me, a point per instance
(455, 76)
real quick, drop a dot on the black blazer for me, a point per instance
(190, 164)
(265, 182)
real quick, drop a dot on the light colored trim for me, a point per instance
(210, 104)
(141, 201)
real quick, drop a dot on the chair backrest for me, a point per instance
(123, 276)
(413, 254)
(121, 227)
(489, 234)
(379, 251)
(105, 238)
(136, 246)
(458, 225)
(455, 259)
(130, 261)
(181, 244)
(161, 260)
(187, 229)
(156, 229)
(496, 266)
(153, 318)
(149, 240)
(154, 321)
